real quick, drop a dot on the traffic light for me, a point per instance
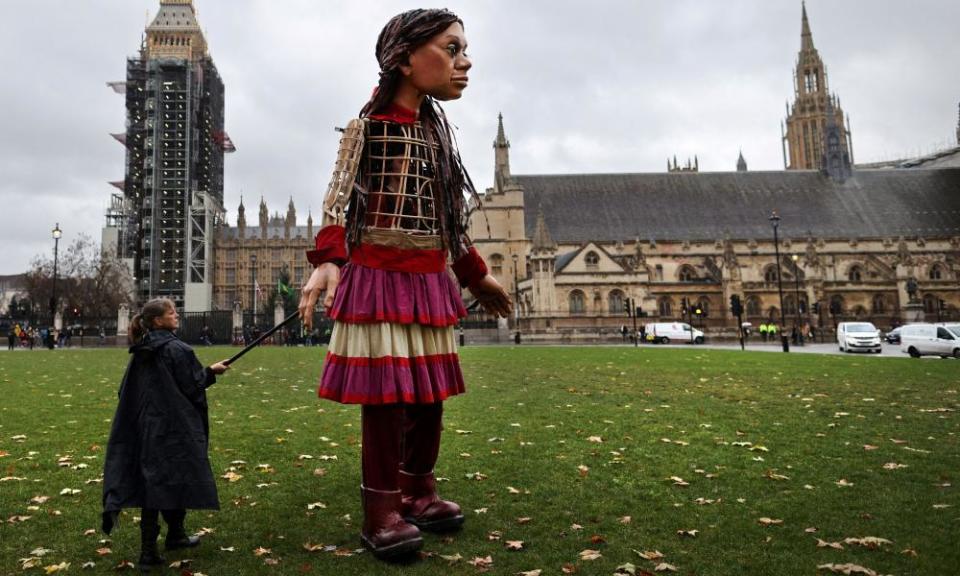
(943, 305)
(683, 307)
(639, 312)
(626, 307)
(698, 311)
(76, 311)
(816, 308)
(803, 307)
(735, 306)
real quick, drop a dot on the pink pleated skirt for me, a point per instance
(393, 338)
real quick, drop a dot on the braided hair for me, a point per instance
(403, 34)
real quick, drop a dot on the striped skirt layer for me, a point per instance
(393, 338)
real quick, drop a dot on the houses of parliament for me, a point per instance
(854, 241)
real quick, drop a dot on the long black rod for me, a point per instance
(262, 337)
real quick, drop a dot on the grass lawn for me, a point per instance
(564, 450)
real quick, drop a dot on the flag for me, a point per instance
(283, 289)
(256, 288)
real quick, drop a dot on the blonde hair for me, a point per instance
(144, 321)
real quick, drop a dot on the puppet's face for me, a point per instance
(439, 67)
(169, 321)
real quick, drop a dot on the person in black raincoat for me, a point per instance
(157, 453)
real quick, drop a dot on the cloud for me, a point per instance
(606, 86)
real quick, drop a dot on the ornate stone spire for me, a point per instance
(241, 214)
(501, 147)
(541, 237)
(806, 38)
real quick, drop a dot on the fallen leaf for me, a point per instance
(530, 572)
(595, 439)
(894, 466)
(847, 569)
(625, 520)
(523, 519)
(63, 566)
(181, 563)
(232, 476)
(479, 562)
(769, 521)
(590, 554)
(104, 551)
(260, 551)
(687, 533)
(871, 542)
(514, 544)
(664, 567)
(626, 569)
(825, 544)
(652, 555)
(678, 481)
(453, 558)
(843, 483)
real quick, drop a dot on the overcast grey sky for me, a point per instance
(599, 86)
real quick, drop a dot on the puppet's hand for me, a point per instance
(324, 278)
(219, 367)
(491, 296)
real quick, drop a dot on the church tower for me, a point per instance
(813, 111)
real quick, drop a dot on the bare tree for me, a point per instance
(92, 281)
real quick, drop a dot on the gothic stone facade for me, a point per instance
(579, 245)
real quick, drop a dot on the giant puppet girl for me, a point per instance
(394, 215)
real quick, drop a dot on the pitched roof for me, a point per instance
(736, 205)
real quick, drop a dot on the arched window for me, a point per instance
(576, 300)
(770, 274)
(753, 306)
(687, 274)
(665, 308)
(855, 274)
(496, 265)
(789, 305)
(836, 305)
(930, 303)
(592, 260)
(879, 304)
(936, 273)
(616, 302)
(773, 313)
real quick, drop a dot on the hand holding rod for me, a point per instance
(262, 337)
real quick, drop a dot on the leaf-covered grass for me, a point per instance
(564, 449)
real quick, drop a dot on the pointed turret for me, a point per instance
(309, 224)
(835, 161)
(501, 146)
(958, 125)
(264, 218)
(241, 215)
(806, 38)
(741, 163)
(541, 236)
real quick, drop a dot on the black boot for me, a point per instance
(149, 531)
(176, 535)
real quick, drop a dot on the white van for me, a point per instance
(930, 340)
(666, 332)
(853, 336)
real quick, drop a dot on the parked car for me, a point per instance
(665, 332)
(852, 336)
(893, 336)
(926, 339)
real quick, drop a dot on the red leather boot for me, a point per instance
(385, 532)
(422, 506)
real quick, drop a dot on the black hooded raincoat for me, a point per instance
(157, 453)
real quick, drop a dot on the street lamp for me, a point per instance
(796, 277)
(775, 222)
(516, 301)
(57, 233)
